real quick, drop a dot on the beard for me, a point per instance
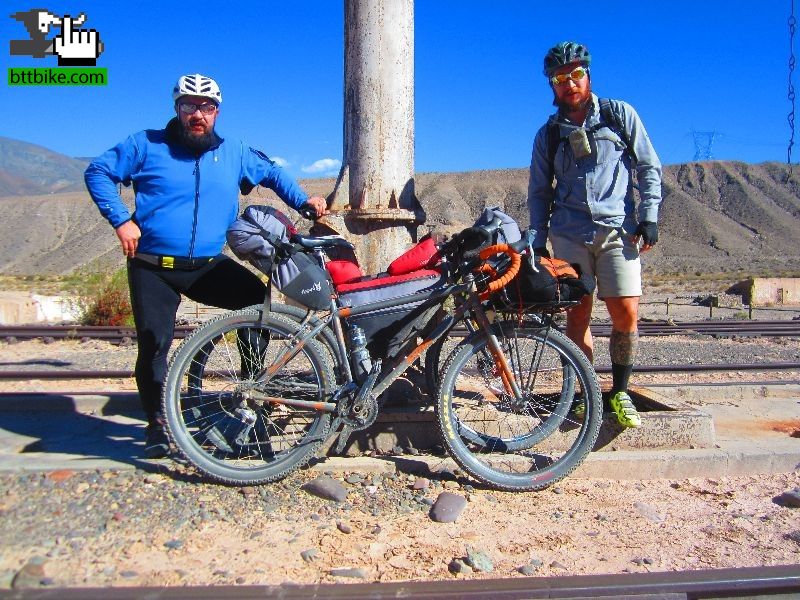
(197, 143)
(573, 103)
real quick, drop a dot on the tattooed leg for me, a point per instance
(622, 348)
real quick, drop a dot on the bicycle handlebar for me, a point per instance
(308, 212)
(510, 273)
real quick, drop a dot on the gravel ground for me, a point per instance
(132, 528)
(129, 528)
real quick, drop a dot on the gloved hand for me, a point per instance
(648, 232)
(542, 251)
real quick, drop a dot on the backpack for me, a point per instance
(609, 117)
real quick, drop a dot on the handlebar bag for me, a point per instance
(555, 280)
(387, 330)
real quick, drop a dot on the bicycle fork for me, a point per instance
(495, 349)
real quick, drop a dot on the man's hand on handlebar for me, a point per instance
(314, 208)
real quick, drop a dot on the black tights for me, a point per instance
(155, 296)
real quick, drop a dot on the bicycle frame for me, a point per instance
(399, 364)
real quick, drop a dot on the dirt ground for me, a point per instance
(128, 528)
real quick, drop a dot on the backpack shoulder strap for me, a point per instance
(611, 117)
(553, 140)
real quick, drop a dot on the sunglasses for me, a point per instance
(574, 75)
(190, 108)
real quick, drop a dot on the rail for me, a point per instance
(762, 582)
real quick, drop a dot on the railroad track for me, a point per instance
(59, 374)
(779, 328)
(782, 581)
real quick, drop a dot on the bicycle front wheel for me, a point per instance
(211, 405)
(524, 443)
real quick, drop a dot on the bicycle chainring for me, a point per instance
(362, 414)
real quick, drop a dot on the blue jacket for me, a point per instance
(594, 191)
(184, 202)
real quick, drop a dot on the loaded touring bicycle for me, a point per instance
(256, 393)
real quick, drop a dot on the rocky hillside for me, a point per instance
(716, 217)
(28, 170)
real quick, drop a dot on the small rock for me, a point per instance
(421, 483)
(376, 530)
(791, 498)
(344, 527)
(451, 485)
(349, 572)
(326, 488)
(354, 479)
(413, 451)
(527, 570)
(448, 507)
(128, 574)
(310, 555)
(240, 580)
(60, 475)
(479, 560)
(30, 575)
(174, 544)
(558, 490)
(397, 450)
(649, 512)
(557, 565)
(458, 566)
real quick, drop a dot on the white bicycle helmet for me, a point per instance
(197, 85)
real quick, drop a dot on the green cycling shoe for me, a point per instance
(626, 412)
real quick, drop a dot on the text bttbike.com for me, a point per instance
(60, 76)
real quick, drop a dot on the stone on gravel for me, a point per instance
(326, 488)
(344, 527)
(448, 507)
(174, 544)
(310, 555)
(479, 560)
(421, 483)
(60, 475)
(527, 570)
(458, 566)
(649, 512)
(791, 498)
(349, 572)
(30, 575)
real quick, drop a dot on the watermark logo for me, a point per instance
(73, 46)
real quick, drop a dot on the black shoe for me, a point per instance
(156, 442)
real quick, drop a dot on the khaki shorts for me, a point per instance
(612, 259)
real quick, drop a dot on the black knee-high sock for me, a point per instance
(622, 348)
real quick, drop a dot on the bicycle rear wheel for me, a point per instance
(208, 400)
(527, 443)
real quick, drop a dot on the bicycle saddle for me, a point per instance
(323, 241)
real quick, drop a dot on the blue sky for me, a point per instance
(480, 96)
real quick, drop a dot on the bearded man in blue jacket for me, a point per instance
(187, 181)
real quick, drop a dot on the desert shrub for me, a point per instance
(104, 299)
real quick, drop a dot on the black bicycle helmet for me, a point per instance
(565, 53)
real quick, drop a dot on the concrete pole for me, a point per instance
(373, 204)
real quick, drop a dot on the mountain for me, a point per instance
(717, 217)
(29, 170)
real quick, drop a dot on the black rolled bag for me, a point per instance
(548, 280)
